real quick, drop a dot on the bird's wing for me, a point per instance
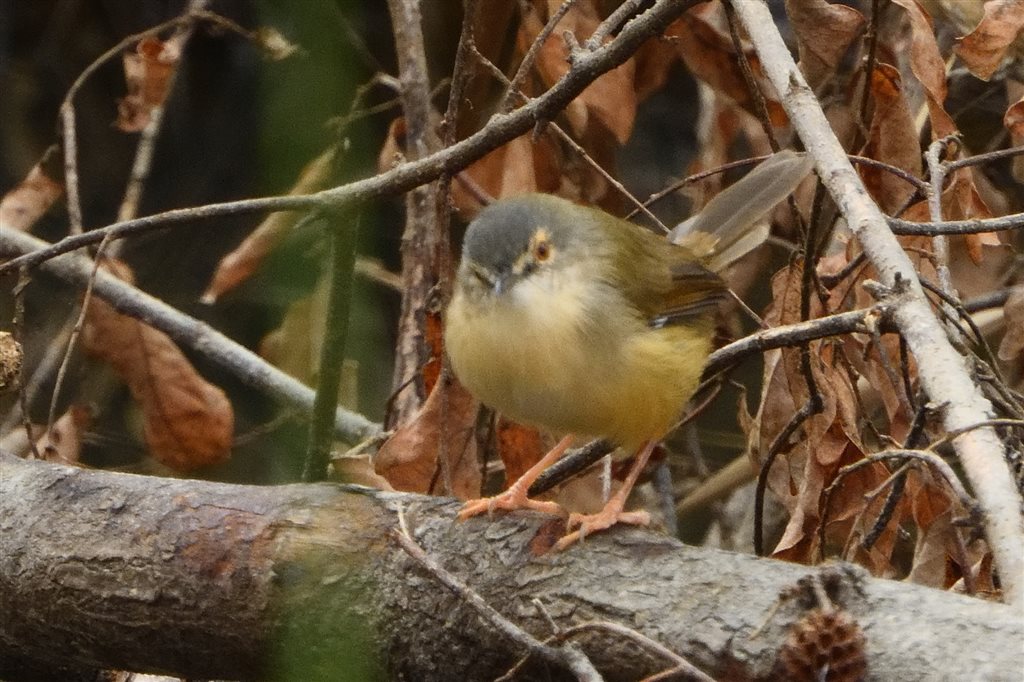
(671, 286)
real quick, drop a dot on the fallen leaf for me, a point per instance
(63, 442)
(984, 47)
(358, 469)
(1012, 345)
(188, 422)
(928, 66)
(26, 203)
(710, 56)
(892, 139)
(824, 33)
(1014, 122)
(239, 265)
(610, 98)
(147, 74)
(519, 446)
(444, 425)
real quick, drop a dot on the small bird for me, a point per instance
(567, 318)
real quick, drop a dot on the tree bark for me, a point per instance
(213, 580)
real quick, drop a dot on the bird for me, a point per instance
(569, 319)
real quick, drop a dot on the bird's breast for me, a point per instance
(556, 358)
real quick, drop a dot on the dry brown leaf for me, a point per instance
(983, 48)
(29, 200)
(358, 469)
(966, 203)
(710, 56)
(1014, 122)
(507, 171)
(147, 74)
(63, 442)
(934, 535)
(519, 446)
(239, 265)
(828, 440)
(960, 201)
(928, 66)
(295, 345)
(610, 99)
(1012, 345)
(654, 61)
(824, 32)
(892, 139)
(188, 421)
(444, 425)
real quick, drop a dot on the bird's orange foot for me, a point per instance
(512, 499)
(591, 523)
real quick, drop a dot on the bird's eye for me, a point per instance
(542, 251)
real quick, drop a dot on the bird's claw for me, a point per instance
(511, 500)
(591, 523)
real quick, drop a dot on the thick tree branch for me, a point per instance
(943, 372)
(214, 580)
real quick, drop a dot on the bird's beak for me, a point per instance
(497, 282)
(501, 283)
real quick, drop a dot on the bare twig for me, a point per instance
(778, 443)
(760, 105)
(614, 20)
(332, 350)
(19, 333)
(513, 86)
(423, 240)
(869, 63)
(190, 333)
(147, 140)
(500, 129)
(1014, 221)
(680, 664)
(567, 657)
(985, 158)
(940, 245)
(942, 370)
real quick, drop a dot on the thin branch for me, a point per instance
(513, 86)
(500, 129)
(190, 333)
(869, 65)
(1014, 221)
(567, 657)
(756, 96)
(940, 245)
(18, 326)
(942, 371)
(332, 350)
(779, 442)
(681, 664)
(617, 18)
(985, 158)
(790, 335)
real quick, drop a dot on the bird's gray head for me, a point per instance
(514, 238)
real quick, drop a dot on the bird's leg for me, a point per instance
(613, 511)
(515, 497)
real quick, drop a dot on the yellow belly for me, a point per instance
(629, 385)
